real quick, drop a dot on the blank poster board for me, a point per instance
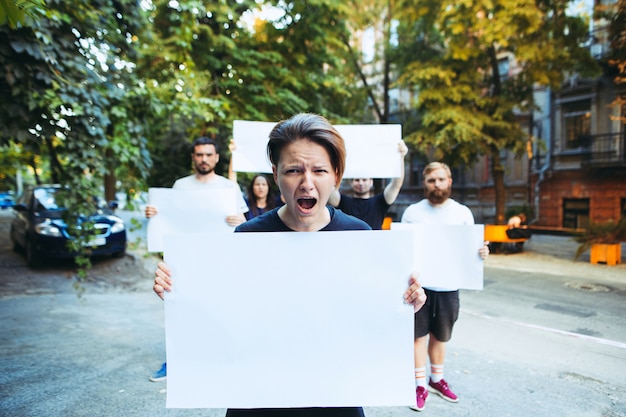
(372, 150)
(289, 319)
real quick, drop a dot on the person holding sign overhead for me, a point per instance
(434, 322)
(365, 206)
(308, 160)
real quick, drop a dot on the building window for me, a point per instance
(417, 166)
(575, 213)
(503, 68)
(623, 211)
(577, 124)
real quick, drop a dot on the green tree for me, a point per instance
(18, 13)
(467, 106)
(309, 39)
(209, 67)
(64, 73)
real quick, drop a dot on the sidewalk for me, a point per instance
(555, 255)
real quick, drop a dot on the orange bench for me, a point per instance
(496, 233)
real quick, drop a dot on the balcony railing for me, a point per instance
(603, 149)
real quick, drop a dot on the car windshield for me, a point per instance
(46, 199)
(49, 199)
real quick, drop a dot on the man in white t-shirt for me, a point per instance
(435, 320)
(204, 157)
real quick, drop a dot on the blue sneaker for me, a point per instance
(159, 375)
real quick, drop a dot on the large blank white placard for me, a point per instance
(446, 256)
(372, 150)
(289, 319)
(193, 210)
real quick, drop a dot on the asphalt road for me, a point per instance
(546, 337)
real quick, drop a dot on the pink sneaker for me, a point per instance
(443, 390)
(421, 395)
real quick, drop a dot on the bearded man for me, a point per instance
(435, 320)
(204, 158)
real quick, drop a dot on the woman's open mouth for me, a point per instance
(307, 203)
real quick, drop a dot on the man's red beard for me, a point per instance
(438, 196)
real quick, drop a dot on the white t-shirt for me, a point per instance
(450, 212)
(191, 181)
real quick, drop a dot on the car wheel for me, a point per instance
(32, 257)
(119, 254)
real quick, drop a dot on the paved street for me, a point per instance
(546, 337)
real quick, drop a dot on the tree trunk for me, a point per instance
(497, 172)
(109, 177)
(56, 169)
(109, 187)
(33, 165)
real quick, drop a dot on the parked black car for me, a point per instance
(39, 230)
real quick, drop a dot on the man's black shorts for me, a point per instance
(438, 315)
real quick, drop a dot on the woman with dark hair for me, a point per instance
(308, 160)
(260, 197)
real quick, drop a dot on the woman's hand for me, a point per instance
(415, 294)
(162, 280)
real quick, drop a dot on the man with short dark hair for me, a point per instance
(205, 157)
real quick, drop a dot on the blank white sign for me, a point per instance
(372, 150)
(289, 319)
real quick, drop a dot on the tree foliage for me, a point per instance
(16, 13)
(64, 83)
(468, 106)
(209, 66)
